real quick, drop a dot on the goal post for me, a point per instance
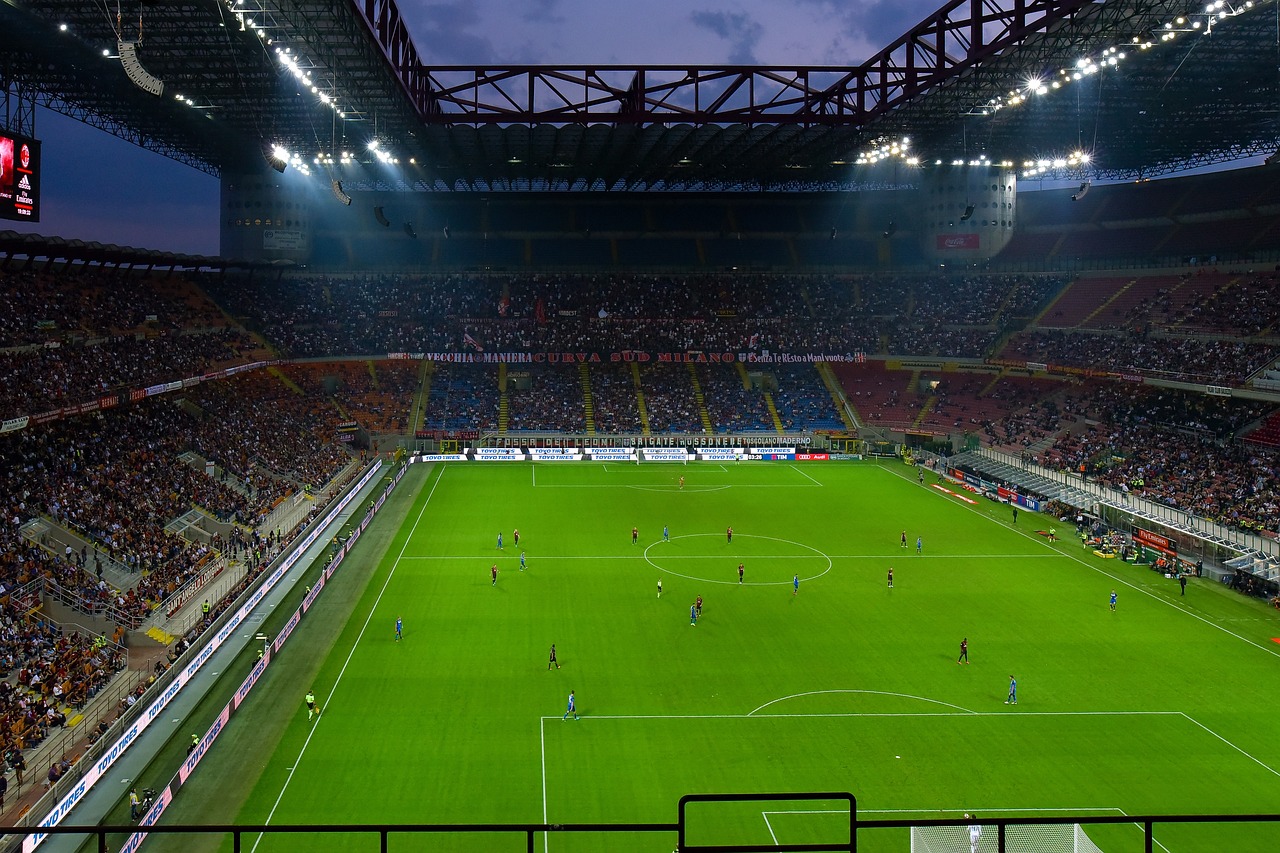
(983, 838)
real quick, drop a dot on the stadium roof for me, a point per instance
(322, 79)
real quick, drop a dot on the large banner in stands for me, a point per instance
(112, 400)
(181, 679)
(1154, 540)
(638, 356)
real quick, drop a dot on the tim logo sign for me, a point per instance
(958, 241)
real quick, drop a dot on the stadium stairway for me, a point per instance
(425, 371)
(286, 381)
(504, 410)
(743, 375)
(231, 481)
(54, 538)
(644, 412)
(1103, 307)
(373, 374)
(698, 397)
(588, 402)
(773, 412)
(848, 414)
(930, 404)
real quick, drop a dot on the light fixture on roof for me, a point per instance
(133, 69)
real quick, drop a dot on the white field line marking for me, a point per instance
(542, 736)
(1129, 584)
(871, 692)
(806, 476)
(989, 810)
(1143, 830)
(688, 488)
(343, 671)
(765, 815)
(902, 714)
(815, 556)
(1257, 761)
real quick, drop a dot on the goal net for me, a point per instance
(983, 838)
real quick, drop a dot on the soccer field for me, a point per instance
(1165, 705)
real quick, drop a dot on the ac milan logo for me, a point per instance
(24, 156)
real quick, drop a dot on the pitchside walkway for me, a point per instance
(115, 784)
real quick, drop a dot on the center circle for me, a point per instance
(728, 576)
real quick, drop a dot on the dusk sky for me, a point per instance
(97, 187)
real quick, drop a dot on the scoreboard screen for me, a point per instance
(19, 178)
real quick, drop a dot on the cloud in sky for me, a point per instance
(738, 29)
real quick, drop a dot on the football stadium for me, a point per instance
(878, 456)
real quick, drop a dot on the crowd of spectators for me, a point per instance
(40, 306)
(669, 400)
(41, 378)
(1174, 448)
(615, 406)
(732, 406)
(375, 394)
(316, 317)
(1245, 306)
(463, 397)
(552, 402)
(802, 400)
(47, 672)
(1223, 361)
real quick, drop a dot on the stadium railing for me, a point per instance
(1141, 507)
(381, 833)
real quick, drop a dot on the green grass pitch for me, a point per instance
(1169, 704)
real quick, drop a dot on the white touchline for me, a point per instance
(817, 555)
(1131, 586)
(343, 671)
(542, 736)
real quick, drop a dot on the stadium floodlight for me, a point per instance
(278, 157)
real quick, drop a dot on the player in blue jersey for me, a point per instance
(693, 615)
(666, 536)
(919, 544)
(499, 541)
(572, 709)
(522, 565)
(1013, 692)
(1113, 600)
(399, 630)
(795, 584)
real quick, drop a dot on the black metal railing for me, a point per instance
(382, 833)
